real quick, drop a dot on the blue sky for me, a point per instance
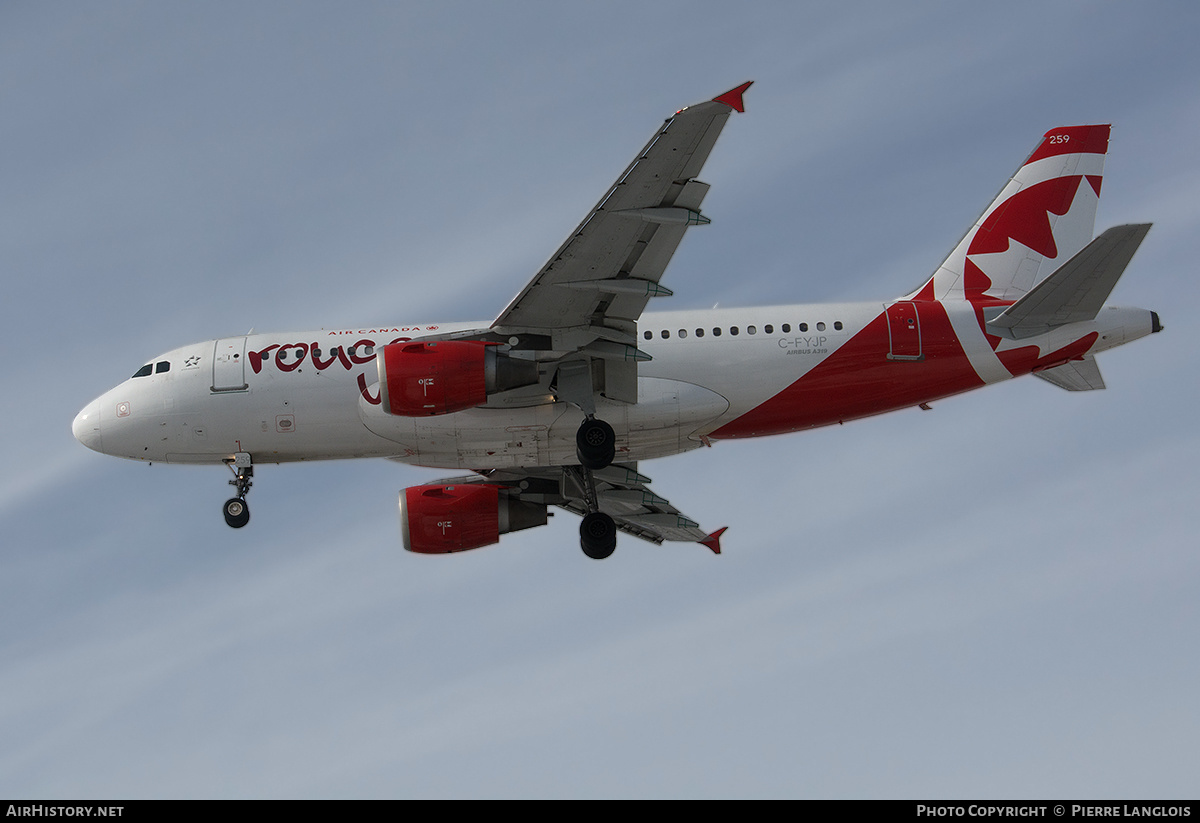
(995, 598)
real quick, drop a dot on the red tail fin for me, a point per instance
(1041, 218)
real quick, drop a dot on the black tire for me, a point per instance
(237, 513)
(598, 535)
(595, 444)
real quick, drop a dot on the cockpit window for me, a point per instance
(162, 366)
(144, 371)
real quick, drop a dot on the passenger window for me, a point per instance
(368, 351)
(162, 366)
(751, 330)
(803, 327)
(837, 324)
(648, 335)
(683, 332)
(699, 332)
(733, 330)
(767, 329)
(786, 327)
(665, 334)
(144, 370)
(820, 327)
(717, 331)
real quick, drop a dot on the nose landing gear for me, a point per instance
(237, 513)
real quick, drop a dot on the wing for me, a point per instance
(578, 316)
(620, 491)
(602, 276)
(591, 291)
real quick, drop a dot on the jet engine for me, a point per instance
(453, 518)
(420, 379)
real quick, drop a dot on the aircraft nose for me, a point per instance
(86, 427)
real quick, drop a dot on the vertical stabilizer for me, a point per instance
(1042, 217)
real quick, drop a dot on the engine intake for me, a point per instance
(454, 518)
(422, 379)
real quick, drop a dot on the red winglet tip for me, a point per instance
(733, 97)
(713, 541)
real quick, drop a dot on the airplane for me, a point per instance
(561, 399)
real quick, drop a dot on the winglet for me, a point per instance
(733, 97)
(713, 541)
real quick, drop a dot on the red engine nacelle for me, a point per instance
(454, 518)
(419, 379)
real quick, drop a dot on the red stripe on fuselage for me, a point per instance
(858, 380)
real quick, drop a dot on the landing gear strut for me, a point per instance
(598, 531)
(237, 513)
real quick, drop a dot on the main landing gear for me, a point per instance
(597, 531)
(598, 535)
(595, 443)
(237, 513)
(595, 446)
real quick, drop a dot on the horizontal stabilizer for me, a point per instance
(1076, 291)
(1075, 375)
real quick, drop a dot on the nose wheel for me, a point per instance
(237, 513)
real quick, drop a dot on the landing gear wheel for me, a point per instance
(595, 444)
(598, 535)
(237, 513)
